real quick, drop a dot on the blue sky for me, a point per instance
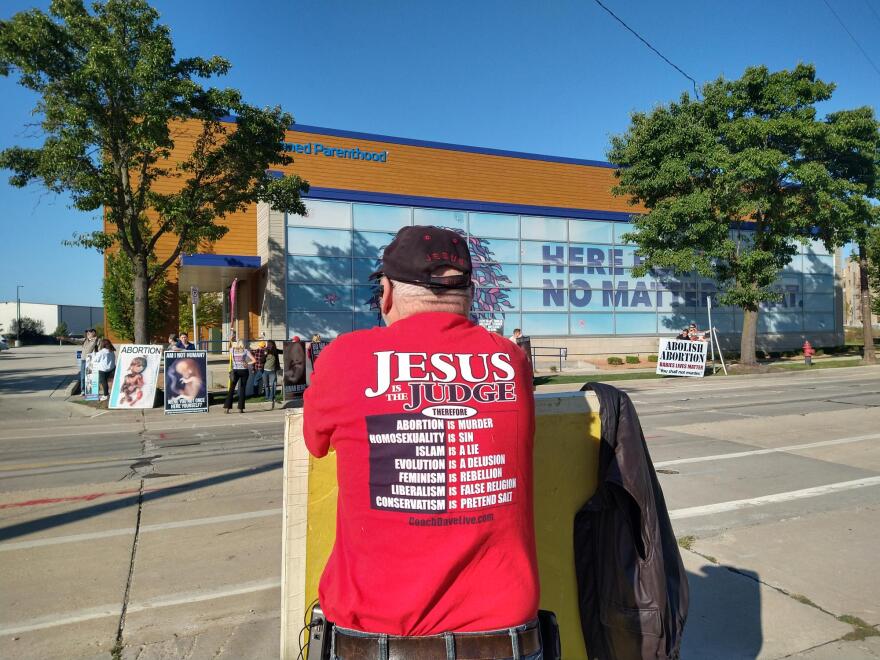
(556, 78)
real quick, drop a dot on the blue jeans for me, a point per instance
(537, 655)
(258, 381)
(270, 379)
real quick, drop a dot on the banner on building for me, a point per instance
(186, 388)
(294, 354)
(681, 357)
(90, 378)
(137, 372)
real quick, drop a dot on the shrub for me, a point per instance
(61, 330)
(652, 358)
(632, 359)
(615, 360)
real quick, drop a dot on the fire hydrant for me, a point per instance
(809, 351)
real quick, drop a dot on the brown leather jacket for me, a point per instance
(632, 586)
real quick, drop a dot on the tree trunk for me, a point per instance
(141, 300)
(869, 354)
(747, 341)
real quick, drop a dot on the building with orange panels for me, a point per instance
(546, 234)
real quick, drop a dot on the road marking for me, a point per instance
(103, 611)
(760, 452)
(123, 531)
(790, 496)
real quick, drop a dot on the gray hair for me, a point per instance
(414, 299)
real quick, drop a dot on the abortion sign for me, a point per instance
(137, 373)
(680, 357)
(185, 382)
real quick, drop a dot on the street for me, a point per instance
(161, 536)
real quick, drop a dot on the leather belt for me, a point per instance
(468, 646)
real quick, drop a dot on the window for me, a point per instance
(370, 244)
(321, 242)
(545, 300)
(493, 249)
(589, 231)
(543, 252)
(502, 275)
(375, 217)
(329, 325)
(621, 228)
(635, 323)
(323, 214)
(592, 324)
(493, 224)
(318, 297)
(544, 229)
(328, 270)
(544, 277)
(544, 324)
(439, 218)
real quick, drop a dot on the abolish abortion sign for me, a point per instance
(681, 358)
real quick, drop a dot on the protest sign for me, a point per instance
(90, 378)
(186, 389)
(492, 325)
(681, 357)
(314, 350)
(294, 369)
(137, 371)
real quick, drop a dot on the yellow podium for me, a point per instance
(566, 463)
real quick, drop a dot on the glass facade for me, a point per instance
(549, 276)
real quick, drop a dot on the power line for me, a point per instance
(855, 41)
(873, 11)
(645, 41)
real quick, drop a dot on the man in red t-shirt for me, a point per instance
(432, 421)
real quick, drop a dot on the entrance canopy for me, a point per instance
(215, 272)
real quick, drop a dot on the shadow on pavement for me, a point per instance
(724, 619)
(48, 522)
(30, 381)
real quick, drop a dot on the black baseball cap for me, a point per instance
(416, 252)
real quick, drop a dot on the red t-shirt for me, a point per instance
(432, 420)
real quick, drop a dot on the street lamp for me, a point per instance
(18, 287)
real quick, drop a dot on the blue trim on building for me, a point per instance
(448, 146)
(220, 260)
(465, 204)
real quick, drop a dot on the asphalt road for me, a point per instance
(773, 483)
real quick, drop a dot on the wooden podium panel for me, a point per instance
(566, 462)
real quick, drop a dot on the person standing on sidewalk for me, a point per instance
(271, 366)
(240, 358)
(105, 362)
(259, 354)
(184, 344)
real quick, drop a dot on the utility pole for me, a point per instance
(18, 287)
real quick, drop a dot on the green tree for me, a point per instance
(26, 328)
(734, 181)
(111, 92)
(872, 251)
(209, 311)
(858, 132)
(60, 330)
(119, 301)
